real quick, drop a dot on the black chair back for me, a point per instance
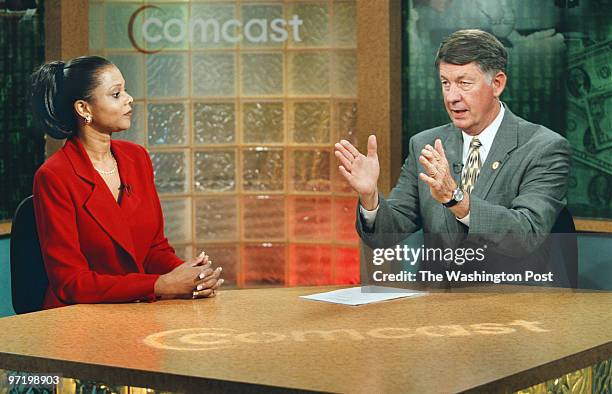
(564, 240)
(29, 279)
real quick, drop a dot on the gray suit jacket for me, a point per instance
(512, 207)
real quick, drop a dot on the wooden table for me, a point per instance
(271, 340)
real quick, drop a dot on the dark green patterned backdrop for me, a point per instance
(559, 75)
(21, 147)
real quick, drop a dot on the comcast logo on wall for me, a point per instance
(257, 30)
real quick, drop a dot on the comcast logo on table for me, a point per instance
(174, 30)
(192, 339)
(204, 338)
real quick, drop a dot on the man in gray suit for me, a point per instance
(488, 177)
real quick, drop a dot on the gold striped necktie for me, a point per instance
(472, 166)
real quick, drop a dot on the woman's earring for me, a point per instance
(88, 119)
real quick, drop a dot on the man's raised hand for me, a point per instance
(360, 171)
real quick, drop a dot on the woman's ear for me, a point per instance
(81, 107)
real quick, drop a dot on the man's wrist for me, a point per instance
(462, 209)
(456, 197)
(370, 202)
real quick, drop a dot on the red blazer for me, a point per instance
(96, 250)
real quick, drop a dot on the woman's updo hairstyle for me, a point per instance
(56, 86)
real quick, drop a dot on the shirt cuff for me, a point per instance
(465, 220)
(368, 216)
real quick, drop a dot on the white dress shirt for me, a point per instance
(486, 138)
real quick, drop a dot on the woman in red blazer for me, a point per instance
(98, 215)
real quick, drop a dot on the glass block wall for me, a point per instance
(240, 119)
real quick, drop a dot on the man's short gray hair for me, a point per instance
(473, 45)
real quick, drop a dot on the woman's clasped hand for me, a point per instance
(192, 279)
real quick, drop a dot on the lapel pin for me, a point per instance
(495, 165)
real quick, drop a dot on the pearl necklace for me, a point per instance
(107, 173)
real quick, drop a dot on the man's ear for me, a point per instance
(499, 83)
(82, 108)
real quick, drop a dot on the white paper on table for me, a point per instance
(363, 295)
